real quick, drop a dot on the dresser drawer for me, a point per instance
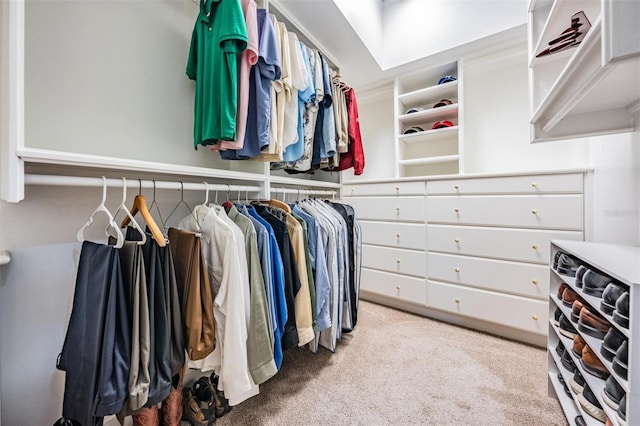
(407, 209)
(399, 261)
(522, 279)
(530, 184)
(512, 311)
(391, 188)
(392, 234)
(527, 211)
(527, 245)
(401, 287)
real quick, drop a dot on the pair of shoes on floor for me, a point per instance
(203, 403)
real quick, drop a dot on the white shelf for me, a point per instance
(447, 112)
(281, 180)
(429, 160)
(433, 93)
(585, 90)
(431, 151)
(621, 263)
(430, 135)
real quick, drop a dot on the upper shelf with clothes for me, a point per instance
(116, 100)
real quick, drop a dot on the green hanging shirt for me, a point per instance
(218, 38)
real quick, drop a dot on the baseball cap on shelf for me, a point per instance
(441, 124)
(443, 102)
(446, 79)
(414, 109)
(413, 129)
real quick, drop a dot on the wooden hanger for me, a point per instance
(276, 203)
(140, 206)
(129, 217)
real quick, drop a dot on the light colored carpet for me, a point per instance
(398, 368)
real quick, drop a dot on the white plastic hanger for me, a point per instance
(124, 207)
(102, 208)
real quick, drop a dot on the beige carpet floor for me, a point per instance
(397, 368)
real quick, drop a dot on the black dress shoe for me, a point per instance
(559, 348)
(610, 296)
(620, 361)
(564, 385)
(621, 312)
(580, 421)
(611, 343)
(555, 260)
(590, 404)
(567, 361)
(594, 283)
(621, 414)
(567, 265)
(612, 393)
(579, 274)
(566, 328)
(556, 316)
(577, 383)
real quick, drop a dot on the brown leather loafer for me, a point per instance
(578, 345)
(569, 296)
(592, 364)
(593, 324)
(561, 289)
(575, 310)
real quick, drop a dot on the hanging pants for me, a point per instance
(97, 346)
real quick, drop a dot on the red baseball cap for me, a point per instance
(441, 124)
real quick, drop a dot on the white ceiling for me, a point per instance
(373, 40)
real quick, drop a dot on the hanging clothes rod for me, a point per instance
(302, 191)
(54, 180)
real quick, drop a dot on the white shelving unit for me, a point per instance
(621, 264)
(429, 151)
(589, 89)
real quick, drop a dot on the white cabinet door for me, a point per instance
(393, 234)
(408, 289)
(513, 311)
(399, 261)
(525, 211)
(401, 209)
(533, 184)
(527, 245)
(523, 279)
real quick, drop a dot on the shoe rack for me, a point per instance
(584, 63)
(619, 264)
(421, 148)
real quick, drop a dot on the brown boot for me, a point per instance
(172, 406)
(147, 417)
(190, 410)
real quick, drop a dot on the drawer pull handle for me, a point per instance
(534, 211)
(398, 261)
(457, 240)
(397, 188)
(353, 190)
(456, 187)
(398, 236)
(535, 247)
(534, 184)
(457, 269)
(398, 209)
(535, 317)
(456, 210)
(398, 287)
(534, 282)
(457, 301)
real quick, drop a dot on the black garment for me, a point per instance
(348, 214)
(174, 313)
(97, 348)
(159, 327)
(291, 278)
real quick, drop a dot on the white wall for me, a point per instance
(616, 188)
(376, 124)
(496, 119)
